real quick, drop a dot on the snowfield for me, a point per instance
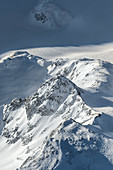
(57, 112)
(56, 85)
(31, 69)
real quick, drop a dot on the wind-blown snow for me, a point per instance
(20, 75)
(39, 129)
(56, 101)
(29, 121)
(71, 146)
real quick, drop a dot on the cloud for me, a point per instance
(50, 15)
(73, 22)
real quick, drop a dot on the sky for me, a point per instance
(92, 23)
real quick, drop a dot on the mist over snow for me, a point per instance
(68, 23)
(56, 113)
(56, 85)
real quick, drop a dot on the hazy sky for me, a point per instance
(92, 24)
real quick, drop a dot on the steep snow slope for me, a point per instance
(39, 130)
(27, 122)
(95, 77)
(89, 74)
(72, 146)
(20, 75)
(25, 73)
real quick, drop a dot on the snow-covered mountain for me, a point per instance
(89, 74)
(56, 86)
(71, 146)
(21, 70)
(28, 122)
(60, 116)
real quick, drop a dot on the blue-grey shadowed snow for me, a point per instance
(103, 122)
(82, 160)
(72, 150)
(1, 119)
(92, 23)
(103, 125)
(97, 99)
(21, 75)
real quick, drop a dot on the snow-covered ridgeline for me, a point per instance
(41, 130)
